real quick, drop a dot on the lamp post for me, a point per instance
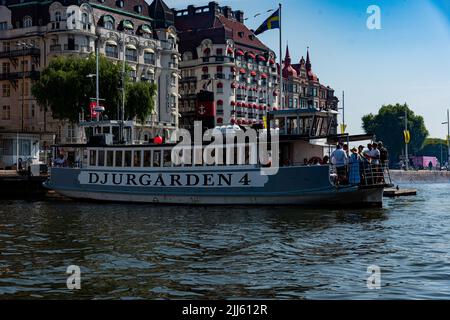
(448, 138)
(24, 46)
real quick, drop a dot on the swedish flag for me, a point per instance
(273, 22)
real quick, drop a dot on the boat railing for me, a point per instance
(361, 174)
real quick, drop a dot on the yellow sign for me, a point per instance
(343, 128)
(407, 136)
(265, 122)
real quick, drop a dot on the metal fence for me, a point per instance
(362, 173)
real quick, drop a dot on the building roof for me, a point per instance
(218, 24)
(161, 13)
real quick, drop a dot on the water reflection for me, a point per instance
(144, 251)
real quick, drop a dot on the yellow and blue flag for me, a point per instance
(273, 22)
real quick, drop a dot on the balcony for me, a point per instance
(217, 59)
(206, 76)
(240, 97)
(252, 99)
(188, 79)
(220, 76)
(173, 65)
(20, 75)
(74, 47)
(55, 47)
(20, 53)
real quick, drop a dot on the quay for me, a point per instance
(19, 186)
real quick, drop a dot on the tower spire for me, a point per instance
(308, 60)
(287, 59)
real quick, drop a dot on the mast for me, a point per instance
(97, 95)
(281, 64)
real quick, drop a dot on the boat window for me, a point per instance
(115, 132)
(106, 129)
(109, 158)
(167, 158)
(119, 155)
(147, 158)
(157, 158)
(93, 157)
(101, 158)
(127, 162)
(137, 158)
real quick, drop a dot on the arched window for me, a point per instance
(108, 22)
(57, 16)
(84, 18)
(27, 22)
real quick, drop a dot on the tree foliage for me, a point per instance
(140, 101)
(388, 126)
(66, 89)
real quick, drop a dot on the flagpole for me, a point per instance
(281, 64)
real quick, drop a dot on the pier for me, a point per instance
(393, 192)
(19, 186)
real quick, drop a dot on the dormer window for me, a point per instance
(120, 3)
(241, 34)
(27, 22)
(138, 8)
(57, 16)
(251, 37)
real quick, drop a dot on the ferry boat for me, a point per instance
(144, 173)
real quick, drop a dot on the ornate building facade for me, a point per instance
(221, 55)
(302, 88)
(32, 32)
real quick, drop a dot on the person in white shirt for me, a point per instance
(375, 154)
(340, 160)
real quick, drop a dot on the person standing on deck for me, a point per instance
(354, 165)
(339, 159)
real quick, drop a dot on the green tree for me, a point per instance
(64, 86)
(140, 100)
(433, 147)
(388, 126)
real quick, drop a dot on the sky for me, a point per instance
(407, 60)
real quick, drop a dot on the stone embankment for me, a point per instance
(423, 176)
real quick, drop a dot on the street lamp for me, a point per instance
(405, 117)
(24, 46)
(448, 138)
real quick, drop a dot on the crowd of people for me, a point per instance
(362, 165)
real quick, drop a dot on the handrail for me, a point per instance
(361, 173)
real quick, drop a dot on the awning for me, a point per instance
(253, 73)
(207, 51)
(230, 50)
(263, 76)
(271, 61)
(146, 28)
(261, 58)
(127, 24)
(131, 46)
(111, 43)
(149, 50)
(239, 52)
(242, 71)
(220, 85)
(205, 69)
(250, 55)
(345, 137)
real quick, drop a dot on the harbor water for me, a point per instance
(160, 252)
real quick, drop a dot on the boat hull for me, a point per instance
(306, 186)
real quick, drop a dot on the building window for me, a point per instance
(3, 25)
(131, 54)
(149, 58)
(27, 22)
(6, 113)
(33, 111)
(111, 51)
(220, 87)
(108, 25)
(6, 46)
(57, 16)
(5, 67)
(6, 90)
(119, 3)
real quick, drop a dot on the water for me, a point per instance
(146, 252)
